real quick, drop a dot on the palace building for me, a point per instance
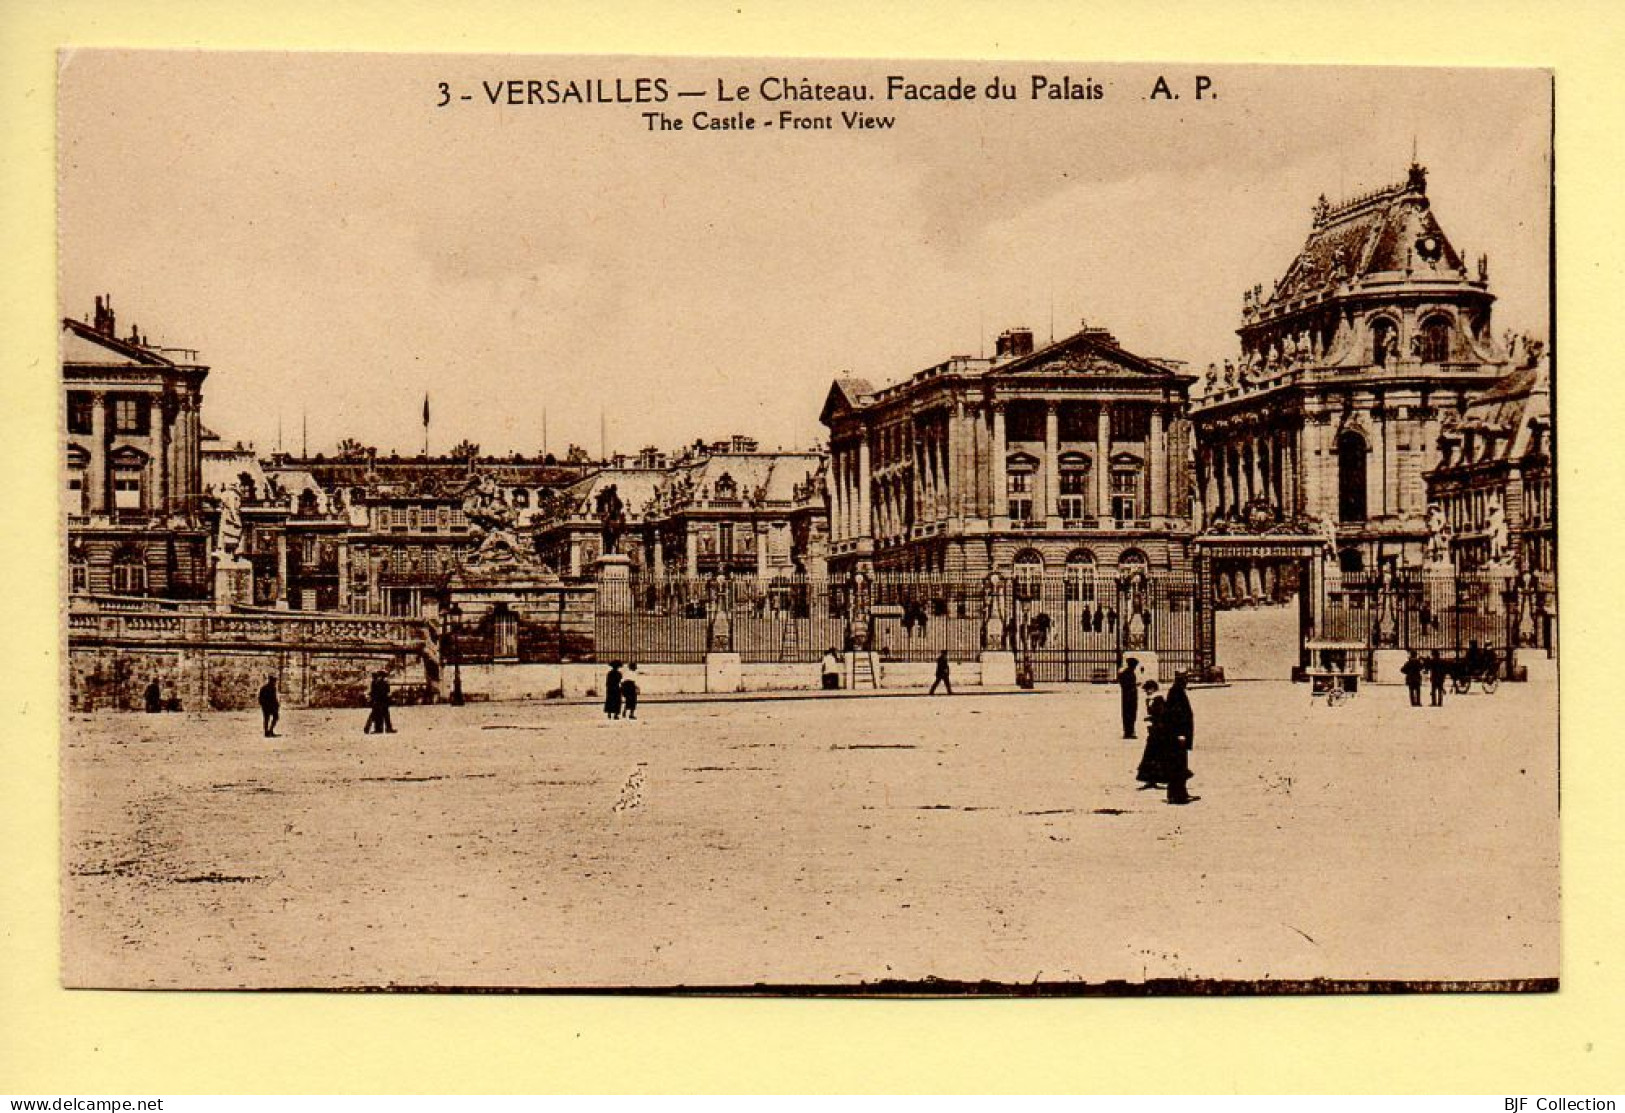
(1374, 340)
(133, 481)
(1067, 458)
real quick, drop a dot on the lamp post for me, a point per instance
(449, 639)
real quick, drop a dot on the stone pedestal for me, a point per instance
(724, 673)
(614, 566)
(998, 669)
(1388, 663)
(233, 582)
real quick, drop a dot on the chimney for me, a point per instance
(1014, 343)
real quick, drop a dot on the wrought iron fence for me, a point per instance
(1061, 628)
(1416, 609)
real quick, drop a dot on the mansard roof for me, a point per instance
(845, 393)
(1388, 230)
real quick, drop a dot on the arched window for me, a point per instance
(1351, 454)
(1019, 470)
(1080, 576)
(1074, 467)
(1436, 339)
(1384, 341)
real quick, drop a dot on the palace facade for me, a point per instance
(1375, 340)
(1071, 457)
(132, 484)
(1495, 485)
(726, 508)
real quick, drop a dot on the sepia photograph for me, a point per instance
(789, 526)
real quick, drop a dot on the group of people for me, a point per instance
(155, 700)
(378, 704)
(1476, 662)
(1170, 731)
(621, 691)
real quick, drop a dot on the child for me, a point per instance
(629, 692)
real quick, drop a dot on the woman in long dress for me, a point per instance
(1153, 768)
(1179, 729)
(612, 691)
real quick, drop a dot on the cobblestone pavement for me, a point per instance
(808, 842)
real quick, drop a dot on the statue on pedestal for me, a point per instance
(612, 518)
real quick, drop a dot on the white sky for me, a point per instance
(335, 246)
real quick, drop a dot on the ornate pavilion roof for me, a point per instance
(1387, 230)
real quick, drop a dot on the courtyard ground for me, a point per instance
(814, 842)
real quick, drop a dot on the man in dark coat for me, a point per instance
(1438, 674)
(270, 706)
(1128, 684)
(1412, 671)
(1179, 734)
(942, 675)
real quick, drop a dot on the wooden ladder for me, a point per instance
(790, 641)
(864, 673)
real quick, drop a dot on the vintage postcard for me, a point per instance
(806, 526)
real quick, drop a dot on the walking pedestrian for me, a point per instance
(1438, 673)
(154, 697)
(1128, 685)
(1179, 735)
(612, 691)
(942, 675)
(629, 691)
(1412, 670)
(830, 670)
(1153, 769)
(270, 706)
(378, 720)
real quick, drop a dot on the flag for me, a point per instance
(425, 410)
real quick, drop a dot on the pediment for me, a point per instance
(1083, 354)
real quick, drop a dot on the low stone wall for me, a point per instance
(212, 678)
(217, 661)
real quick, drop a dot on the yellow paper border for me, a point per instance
(54, 1042)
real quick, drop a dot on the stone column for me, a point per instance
(1103, 462)
(1157, 450)
(282, 570)
(1052, 465)
(1001, 483)
(865, 523)
(762, 532)
(957, 478)
(161, 501)
(691, 541)
(97, 472)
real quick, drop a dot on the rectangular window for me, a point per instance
(1021, 508)
(127, 490)
(131, 413)
(81, 408)
(1130, 423)
(129, 579)
(1125, 495)
(455, 518)
(73, 496)
(397, 518)
(79, 578)
(1072, 507)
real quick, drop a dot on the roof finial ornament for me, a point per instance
(1323, 207)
